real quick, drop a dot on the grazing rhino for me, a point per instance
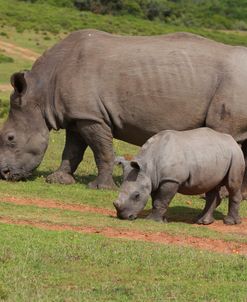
(100, 86)
(189, 162)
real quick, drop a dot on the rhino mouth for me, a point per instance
(125, 216)
(14, 175)
(5, 173)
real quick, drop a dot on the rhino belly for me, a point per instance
(204, 179)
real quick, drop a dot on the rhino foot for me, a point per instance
(97, 184)
(60, 177)
(232, 220)
(205, 220)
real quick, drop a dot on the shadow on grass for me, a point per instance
(182, 214)
(82, 179)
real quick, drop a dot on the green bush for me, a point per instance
(4, 109)
(5, 59)
(218, 14)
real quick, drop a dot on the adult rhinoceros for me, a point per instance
(100, 86)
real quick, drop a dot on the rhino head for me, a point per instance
(134, 191)
(24, 136)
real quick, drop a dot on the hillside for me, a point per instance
(45, 16)
(218, 14)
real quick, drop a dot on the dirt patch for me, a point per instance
(24, 53)
(214, 245)
(52, 204)
(218, 226)
(5, 87)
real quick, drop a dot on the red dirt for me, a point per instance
(218, 226)
(214, 245)
(52, 204)
(158, 237)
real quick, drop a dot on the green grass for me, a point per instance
(8, 68)
(41, 265)
(36, 41)
(5, 59)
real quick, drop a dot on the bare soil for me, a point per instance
(219, 246)
(53, 204)
(215, 245)
(5, 87)
(24, 53)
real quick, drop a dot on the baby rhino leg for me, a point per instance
(161, 200)
(213, 199)
(234, 183)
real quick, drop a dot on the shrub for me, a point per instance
(5, 59)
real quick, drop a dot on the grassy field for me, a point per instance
(63, 266)
(45, 265)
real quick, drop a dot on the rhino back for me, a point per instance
(137, 85)
(145, 83)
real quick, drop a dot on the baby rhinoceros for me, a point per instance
(189, 162)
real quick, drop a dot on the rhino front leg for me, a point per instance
(73, 153)
(161, 200)
(99, 138)
(213, 200)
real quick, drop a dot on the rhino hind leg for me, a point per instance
(235, 198)
(99, 138)
(73, 153)
(234, 181)
(213, 200)
(161, 200)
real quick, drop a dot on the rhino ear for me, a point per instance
(125, 164)
(138, 165)
(121, 161)
(135, 164)
(19, 83)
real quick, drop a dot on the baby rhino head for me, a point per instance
(135, 190)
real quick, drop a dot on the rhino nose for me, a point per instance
(132, 217)
(5, 173)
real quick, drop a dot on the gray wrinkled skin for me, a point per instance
(24, 137)
(98, 86)
(189, 162)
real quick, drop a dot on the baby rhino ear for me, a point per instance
(121, 161)
(134, 164)
(125, 164)
(138, 165)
